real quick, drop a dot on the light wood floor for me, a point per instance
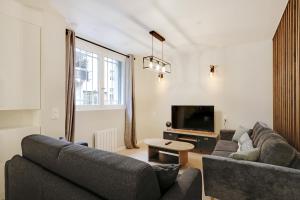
(195, 159)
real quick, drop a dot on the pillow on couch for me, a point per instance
(245, 143)
(258, 127)
(277, 151)
(245, 137)
(239, 132)
(250, 155)
(166, 175)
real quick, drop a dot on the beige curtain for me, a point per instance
(70, 85)
(130, 134)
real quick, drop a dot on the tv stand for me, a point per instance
(203, 141)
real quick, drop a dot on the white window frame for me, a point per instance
(101, 54)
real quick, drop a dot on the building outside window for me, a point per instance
(99, 78)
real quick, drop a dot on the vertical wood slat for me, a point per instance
(286, 75)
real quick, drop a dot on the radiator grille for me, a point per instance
(107, 140)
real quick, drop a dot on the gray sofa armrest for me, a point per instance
(226, 134)
(187, 187)
(229, 179)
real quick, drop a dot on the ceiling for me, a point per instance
(124, 24)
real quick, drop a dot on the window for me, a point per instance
(112, 82)
(99, 78)
(86, 78)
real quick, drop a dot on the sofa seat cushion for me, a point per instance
(225, 154)
(108, 175)
(225, 145)
(276, 151)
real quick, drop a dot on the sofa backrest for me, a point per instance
(296, 162)
(274, 149)
(109, 175)
(277, 151)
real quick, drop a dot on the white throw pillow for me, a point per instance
(247, 145)
(250, 155)
(239, 132)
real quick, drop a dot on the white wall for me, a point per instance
(53, 74)
(87, 122)
(15, 124)
(241, 89)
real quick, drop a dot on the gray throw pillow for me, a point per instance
(250, 155)
(166, 175)
(238, 133)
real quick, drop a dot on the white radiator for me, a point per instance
(107, 140)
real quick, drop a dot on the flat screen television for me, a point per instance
(200, 118)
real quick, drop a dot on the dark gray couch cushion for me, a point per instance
(26, 180)
(296, 162)
(222, 153)
(166, 175)
(225, 145)
(108, 175)
(43, 150)
(277, 151)
(260, 134)
(267, 136)
(259, 126)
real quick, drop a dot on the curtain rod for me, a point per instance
(102, 46)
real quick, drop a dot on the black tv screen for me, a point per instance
(199, 118)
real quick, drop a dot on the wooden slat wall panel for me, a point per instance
(286, 75)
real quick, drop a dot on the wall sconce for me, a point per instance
(160, 77)
(212, 69)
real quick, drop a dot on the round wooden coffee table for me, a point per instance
(156, 147)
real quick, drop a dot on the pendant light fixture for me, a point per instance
(155, 64)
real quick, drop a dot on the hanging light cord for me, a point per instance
(162, 50)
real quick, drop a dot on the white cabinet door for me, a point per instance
(20, 61)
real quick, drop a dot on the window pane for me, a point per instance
(86, 78)
(112, 82)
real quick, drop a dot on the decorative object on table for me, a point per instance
(168, 125)
(155, 64)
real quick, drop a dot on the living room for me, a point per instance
(124, 79)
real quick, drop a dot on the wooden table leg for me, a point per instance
(183, 158)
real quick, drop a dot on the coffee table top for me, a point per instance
(175, 145)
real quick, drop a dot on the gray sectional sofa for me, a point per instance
(274, 176)
(51, 169)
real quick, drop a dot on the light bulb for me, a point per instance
(163, 69)
(151, 65)
(211, 74)
(157, 67)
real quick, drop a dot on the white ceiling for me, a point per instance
(124, 24)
